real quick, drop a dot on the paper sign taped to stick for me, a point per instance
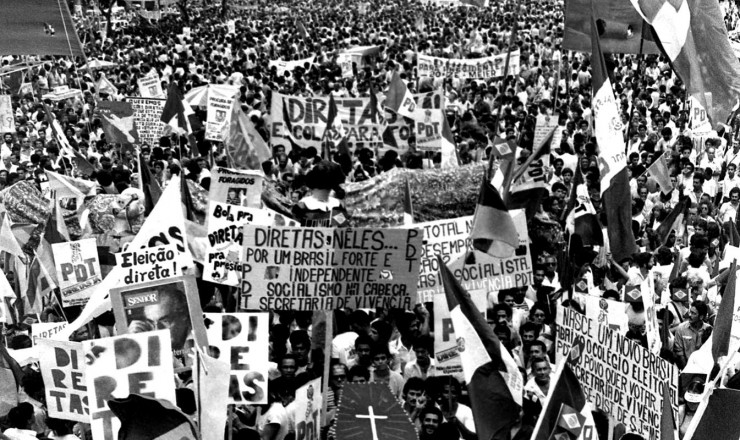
(226, 239)
(147, 114)
(242, 341)
(78, 270)
(618, 376)
(46, 330)
(308, 401)
(236, 187)
(150, 86)
(151, 264)
(218, 112)
(323, 268)
(446, 352)
(123, 365)
(450, 238)
(63, 370)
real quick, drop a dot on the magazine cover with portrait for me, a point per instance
(172, 304)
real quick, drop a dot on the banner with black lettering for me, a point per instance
(308, 119)
(78, 270)
(63, 371)
(477, 68)
(308, 401)
(46, 330)
(323, 268)
(446, 354)
(223, 263)
(242, 341)
(151, 264)
(123, 365)
(147, 114)
(150, 86)
(236, 187)
(218, 112)
(171, 303)
(289, 66)
(450, 238)
(618, 375)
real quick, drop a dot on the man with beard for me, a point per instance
(430, 418)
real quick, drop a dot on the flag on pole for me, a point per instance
(493, 230)
(669, 222)
(615, 188)
(399, 98)
(334, 124)
(8, 242)
(693, 36)
(448, 149)
(177, 112)
(408, 208)
(719, 419)
(419, 24)
(245, 148)
(494, 382)
(723, 321)
(659, 171)
(150, 186)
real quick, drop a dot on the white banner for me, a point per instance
(483, 68)
(283, 66)
(63, 370)
(7, 120)
(218, 113)
(78, 270)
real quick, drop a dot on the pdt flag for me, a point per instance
(399, 98)
(494, 381)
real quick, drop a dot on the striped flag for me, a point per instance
(608, 126)
(177, 112)
(566, 413)
(659, 171)
(693, 36)
(493, 230)
(494, 382)
(244, 146)
(408, 207)
(8, 242)
(399, 98)
(150, 186)
(146, 418)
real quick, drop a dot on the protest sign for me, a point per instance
(323, 268)
(450, 238)
(78, 270)
(427, 130)
(225, 239)
(171, 304)
(218, 112)
(150, 86)
(236, 187)
(308, 401)
(618, 376)
(60, 94)
(46, 330)
(344, 61)
(63, 370)
(231, 26)
(446, 352)
(7, 119)
(308, 119)
(242, 341)
(151, 264)
(123, 365)
(147, 114)
(488, 67)
(283, 66)
(604, 311)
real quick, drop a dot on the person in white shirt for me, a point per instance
(423, 366)
(730, 181)
(275, 423)
(454, 412)
(728, 210)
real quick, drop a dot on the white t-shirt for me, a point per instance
(276, 414)
(465, 415)
(343, 347)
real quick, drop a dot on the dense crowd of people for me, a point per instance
(396, 347)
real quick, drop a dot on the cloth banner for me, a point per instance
(488, 67)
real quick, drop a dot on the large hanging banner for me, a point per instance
(308, 403)
(450, 238)
(618, 376)
(123, 365)
(63, 370)
(236, 187)
(242, 341)
(308, 119)
(147, 114)
(218, 112)
(323, 268)
(477, 68)
(78, 270)
(226, 239)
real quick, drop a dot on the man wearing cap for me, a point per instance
(690, 335)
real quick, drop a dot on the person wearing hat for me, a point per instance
(692, 398)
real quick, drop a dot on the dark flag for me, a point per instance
(493, 230)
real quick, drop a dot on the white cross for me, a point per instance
(372, 418)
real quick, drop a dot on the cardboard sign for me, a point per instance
(171, 304)
(618, 376)
(218, 112)
(450, 238)
(150, 86)
(151, 264)
(63, 370)
(123, 365)
(236, 187)
(78, 270)
(308, 401)
(446, 353)
(488, 67)
(7, 120)
(242, 341)
(324, 268)
(147, 112)
(226, 239)
(46, 330)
